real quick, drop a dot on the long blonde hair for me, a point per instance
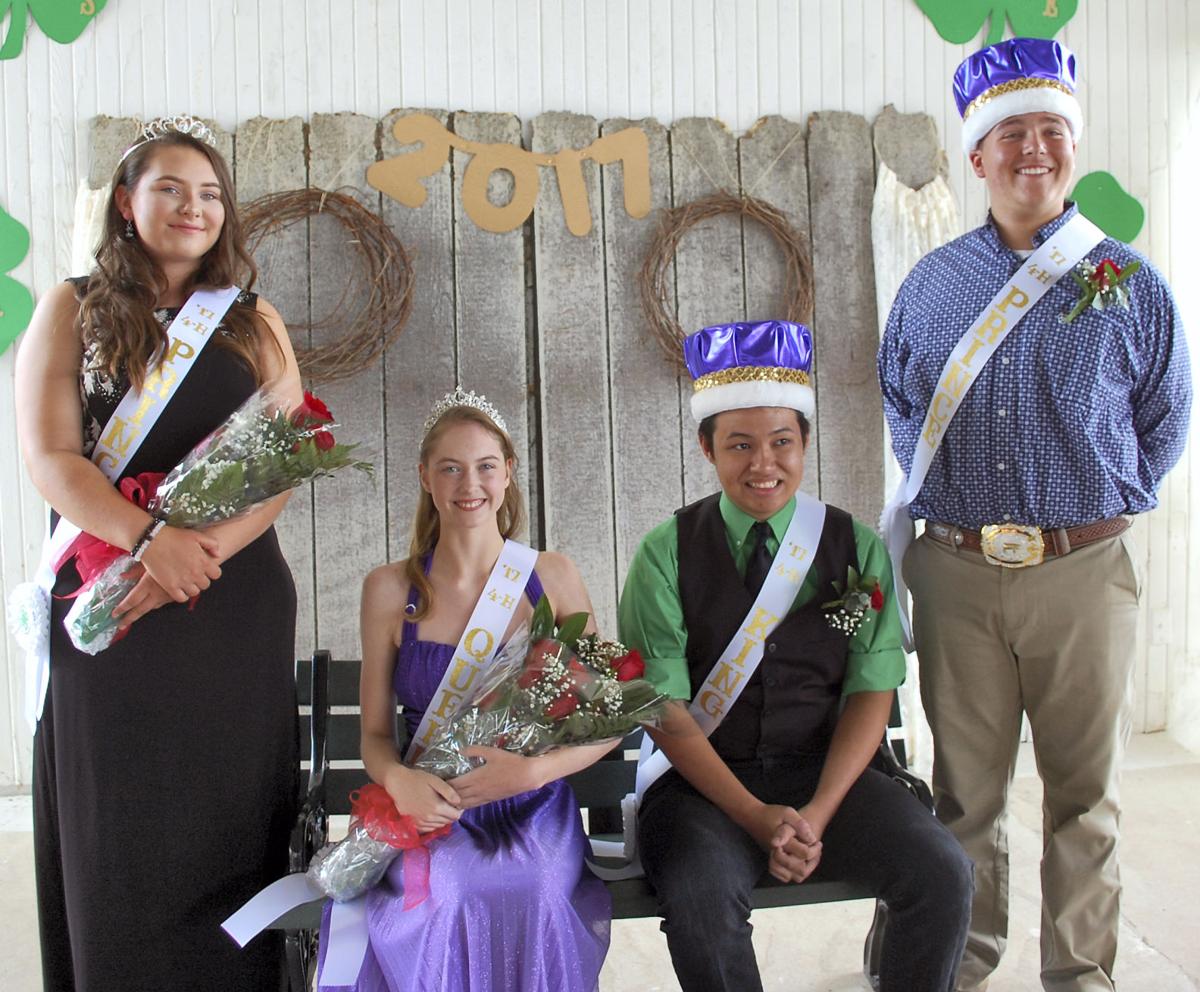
(426, 528)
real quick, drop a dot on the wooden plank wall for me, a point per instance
(549, 326)
(613, 60)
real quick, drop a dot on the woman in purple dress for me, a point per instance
(512, 907)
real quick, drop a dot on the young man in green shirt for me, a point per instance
(768, 770)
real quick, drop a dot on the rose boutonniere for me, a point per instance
(1101, 285)
(857, 595)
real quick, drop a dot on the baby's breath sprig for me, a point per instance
(857, 595)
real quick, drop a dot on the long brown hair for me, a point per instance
(427, 526)
(116, 311)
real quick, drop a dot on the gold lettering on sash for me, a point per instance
(762, 624)
(797, 552)
(504, 599)
(726, 679)
(205, 313)
(179, 349)
(511, 574)
(711, 702)
(104, 456)
(976, 344)
(479, 654)
(1043, 276)
(432, 729)
(956, 380)
(1057, 257)
(993, 323)
(1016, 298)
(747, 647)
(117, 440)
(792, 575)
(461, 665)
(446, 706)
(145, 401)
(160, 381)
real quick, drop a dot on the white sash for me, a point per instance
(1057, 256)
(732, 671)
(480, 640)
(121, 437)
(348, 937)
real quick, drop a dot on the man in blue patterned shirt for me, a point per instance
(1025, 586)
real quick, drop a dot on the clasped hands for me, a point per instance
(433, 803)
(792, 838)
(177, 565)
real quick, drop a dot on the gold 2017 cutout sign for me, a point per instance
(400, 177)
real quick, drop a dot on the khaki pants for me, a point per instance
(1057, 641)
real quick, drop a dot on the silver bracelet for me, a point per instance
(148, 535)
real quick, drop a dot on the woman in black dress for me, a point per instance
(164, 766)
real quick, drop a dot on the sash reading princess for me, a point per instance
(134, 746)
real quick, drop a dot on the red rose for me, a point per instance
(877, 598)
(488, 701)
(316, 408)
(323, 440)
(562, 707)
(529, 675)
(311, 411)
(629, 666)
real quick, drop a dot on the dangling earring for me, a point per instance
(129, 230)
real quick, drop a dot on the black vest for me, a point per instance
(790, 704)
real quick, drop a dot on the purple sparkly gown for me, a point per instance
(512, 907)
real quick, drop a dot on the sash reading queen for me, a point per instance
(481, 639)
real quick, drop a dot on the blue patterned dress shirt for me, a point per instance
(1067, 423)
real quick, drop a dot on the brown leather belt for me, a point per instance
(1016, 545)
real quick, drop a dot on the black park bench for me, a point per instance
(327, 692)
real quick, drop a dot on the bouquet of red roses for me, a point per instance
(545, 689)
(262, 450)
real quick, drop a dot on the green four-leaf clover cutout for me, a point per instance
(16, 302)
(61, 20)
(959, 21)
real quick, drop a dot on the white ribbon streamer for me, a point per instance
(269, 905)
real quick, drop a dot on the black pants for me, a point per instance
(703, 868)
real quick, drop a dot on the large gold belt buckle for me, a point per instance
(1011, 545)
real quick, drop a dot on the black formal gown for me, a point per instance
(165, 766)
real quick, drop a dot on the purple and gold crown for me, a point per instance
(736, 366)
(1017, 76)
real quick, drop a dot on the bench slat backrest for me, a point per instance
(598, 789)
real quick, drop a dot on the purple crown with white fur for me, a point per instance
(1017, 76)
(737, 366)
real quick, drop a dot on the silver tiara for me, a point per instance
(461, 397)
(180, 123)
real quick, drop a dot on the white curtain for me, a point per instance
(906, 224)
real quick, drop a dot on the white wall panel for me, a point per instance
(237, 59)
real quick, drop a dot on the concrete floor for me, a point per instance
(818, 948)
